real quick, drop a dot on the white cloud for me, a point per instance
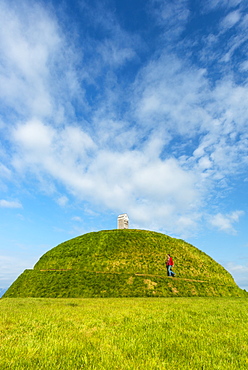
(24, 57)
(9, 204)
(171, 94)
(147, 180)
(34, 136)
(62, 201)
(244, 66)
(227, 40)
(237, 268)
(230, 20)
(211, 4)
(77, 218)
(148, 186)
(225, 222)
(37, 73)
(11, 267)
(133, 162)
(177, 101)
(117, 46)
(114, 55)
(4, 171)
(172, 16)
(240, 273)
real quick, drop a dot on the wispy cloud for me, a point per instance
(77, 218)
(9, 204)
(11, 267)
(113, 140)
(225, 222)
(37, 74)
(63, 200)
(24, 58)
(240, 273)
(230, 20)
(212, 4)
(171, 16)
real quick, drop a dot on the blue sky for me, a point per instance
(114, 106)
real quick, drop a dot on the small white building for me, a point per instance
(123, 221)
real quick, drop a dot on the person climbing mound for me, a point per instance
(169, 265)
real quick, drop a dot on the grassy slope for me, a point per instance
(132, 251)
(124, 263)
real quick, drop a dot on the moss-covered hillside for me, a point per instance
(122, 263)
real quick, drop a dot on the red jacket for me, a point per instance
(170, 262)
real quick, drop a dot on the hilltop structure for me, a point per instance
(123, 221)
(124, 263)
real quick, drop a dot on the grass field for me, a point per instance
(114, 333)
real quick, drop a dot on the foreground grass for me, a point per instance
(175, 333)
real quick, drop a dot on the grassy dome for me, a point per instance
(120, 263)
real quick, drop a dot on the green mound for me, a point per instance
(124, 263)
